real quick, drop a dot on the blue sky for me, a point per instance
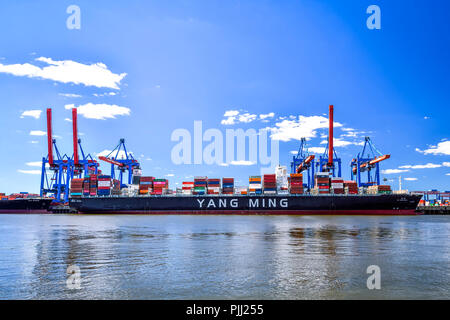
(169, 63)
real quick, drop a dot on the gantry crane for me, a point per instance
(126, 162)
(304, 161)
(367, 161)
(329, 161)
(55, 181)
(57, 173)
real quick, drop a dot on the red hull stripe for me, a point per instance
(267, 212)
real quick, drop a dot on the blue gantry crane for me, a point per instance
(304, 161)
(367, 161)
(58, 170)
(123, 162)
(324, 164)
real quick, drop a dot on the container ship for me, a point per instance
(23, 203)
(272, 194)
(264, 196)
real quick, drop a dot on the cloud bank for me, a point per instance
(67, 71)
(100, 111)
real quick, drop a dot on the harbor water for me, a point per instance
(223, 257)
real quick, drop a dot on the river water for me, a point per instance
(223, 257)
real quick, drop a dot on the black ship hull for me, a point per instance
(25, 206)
(379, 204)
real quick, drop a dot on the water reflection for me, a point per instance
(176, 257)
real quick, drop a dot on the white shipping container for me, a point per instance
(104, 183)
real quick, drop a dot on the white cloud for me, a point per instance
(231, 113)
(411, 179)
(426, 118)
(37, 133)
(393, 171)
(234, 116)
(105, 94)
(316, 149)
(311, 150)
(68, 119)
(443, 148)
(120, 156)
(228, 121)
(268, 115)
(446, 164)
(31, 113)
(100, 111)
(421, 166)
(242, 163)
(247, 117)
(34, 164)
(67, 71)
(70, 95)
(223, 164)
(29, 171)
(306, 127)
(33, 141)
(447, 174)
(338, 142)
(170, 175)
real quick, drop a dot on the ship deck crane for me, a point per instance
(367, 161)
(124, 162)
(329, 161)
(304, 161)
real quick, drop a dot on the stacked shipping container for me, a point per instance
(76, 188)
(187, 187)
(337, 185)
(93, 185)
(213, 186)
(227, 185)
(200, 185)
(322, 182)
(296, 183)
(146, 185)
(270, 184)
(254, 185)
(379, 189)
(103, 185)
(350, 187)
(115, 187)
(160, 186)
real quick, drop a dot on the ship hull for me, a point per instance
(252, 205)
(25, 206)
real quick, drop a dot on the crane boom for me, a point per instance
(304, 164)
(111, 161)
(375, 161)
(379, 159)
